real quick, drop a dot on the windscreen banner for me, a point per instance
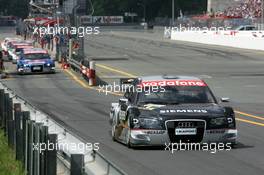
(102, 20)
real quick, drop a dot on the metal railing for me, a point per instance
(37, 128)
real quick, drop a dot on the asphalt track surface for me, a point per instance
(230, 72)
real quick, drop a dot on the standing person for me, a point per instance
(1, 61)
(48, 37)
(25, 32)
(42, 42)
(52, 42)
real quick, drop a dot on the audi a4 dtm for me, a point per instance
(35, 60)
(171, 109)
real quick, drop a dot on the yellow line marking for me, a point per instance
(115, 70)
(84, 84)
(132, 76)
(238, 112)
(249, 121)
(249, 115)
(78, 80)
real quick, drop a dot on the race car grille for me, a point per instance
(186, 131)
(37, 68)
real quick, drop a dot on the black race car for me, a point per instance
(169, 109)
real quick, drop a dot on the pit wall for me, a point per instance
(238, 39)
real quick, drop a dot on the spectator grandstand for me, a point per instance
(245, 9)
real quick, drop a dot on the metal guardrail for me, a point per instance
(67, 135)
(111, 167)
(75, 64)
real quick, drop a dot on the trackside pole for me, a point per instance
(77, 164)
(70, 49)
(92, 77)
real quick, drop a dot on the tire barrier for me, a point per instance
(64, 63)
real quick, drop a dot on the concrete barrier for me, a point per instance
(239, 39)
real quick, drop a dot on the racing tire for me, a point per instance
(113, 132)
(128, 143)
(20, 73)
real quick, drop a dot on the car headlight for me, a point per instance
(48, 64)
(147, 123)
(218, 121)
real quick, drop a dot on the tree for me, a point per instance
(154, 8)
(17, 8)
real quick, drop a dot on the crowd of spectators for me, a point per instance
(245, 9)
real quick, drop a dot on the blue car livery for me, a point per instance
(35, 61)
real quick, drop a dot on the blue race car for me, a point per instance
(35, 60)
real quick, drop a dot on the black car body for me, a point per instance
(182, 109)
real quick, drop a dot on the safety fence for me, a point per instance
(41, 142)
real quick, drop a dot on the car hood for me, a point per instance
(182, 111)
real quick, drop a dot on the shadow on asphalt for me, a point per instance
(239, 145)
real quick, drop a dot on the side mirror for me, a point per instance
(123, 104)
(123, 101)
(225, 99)
(126, 95)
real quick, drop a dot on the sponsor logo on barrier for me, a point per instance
(102, 20)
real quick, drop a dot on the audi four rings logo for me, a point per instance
(229, 120)
(185, 124)
(135, 121)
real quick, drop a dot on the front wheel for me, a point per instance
(113, 132)
(128, 142)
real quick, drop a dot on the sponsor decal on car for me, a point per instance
(34, 52)
(183, 111)
(152, 106)
(174, 83)
(36, 62)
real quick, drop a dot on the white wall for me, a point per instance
(244, 39)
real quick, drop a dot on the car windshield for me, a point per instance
(37, 56)
(177, 95)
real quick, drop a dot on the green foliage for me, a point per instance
(154, 8)
(8, 164)
(14, 7)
